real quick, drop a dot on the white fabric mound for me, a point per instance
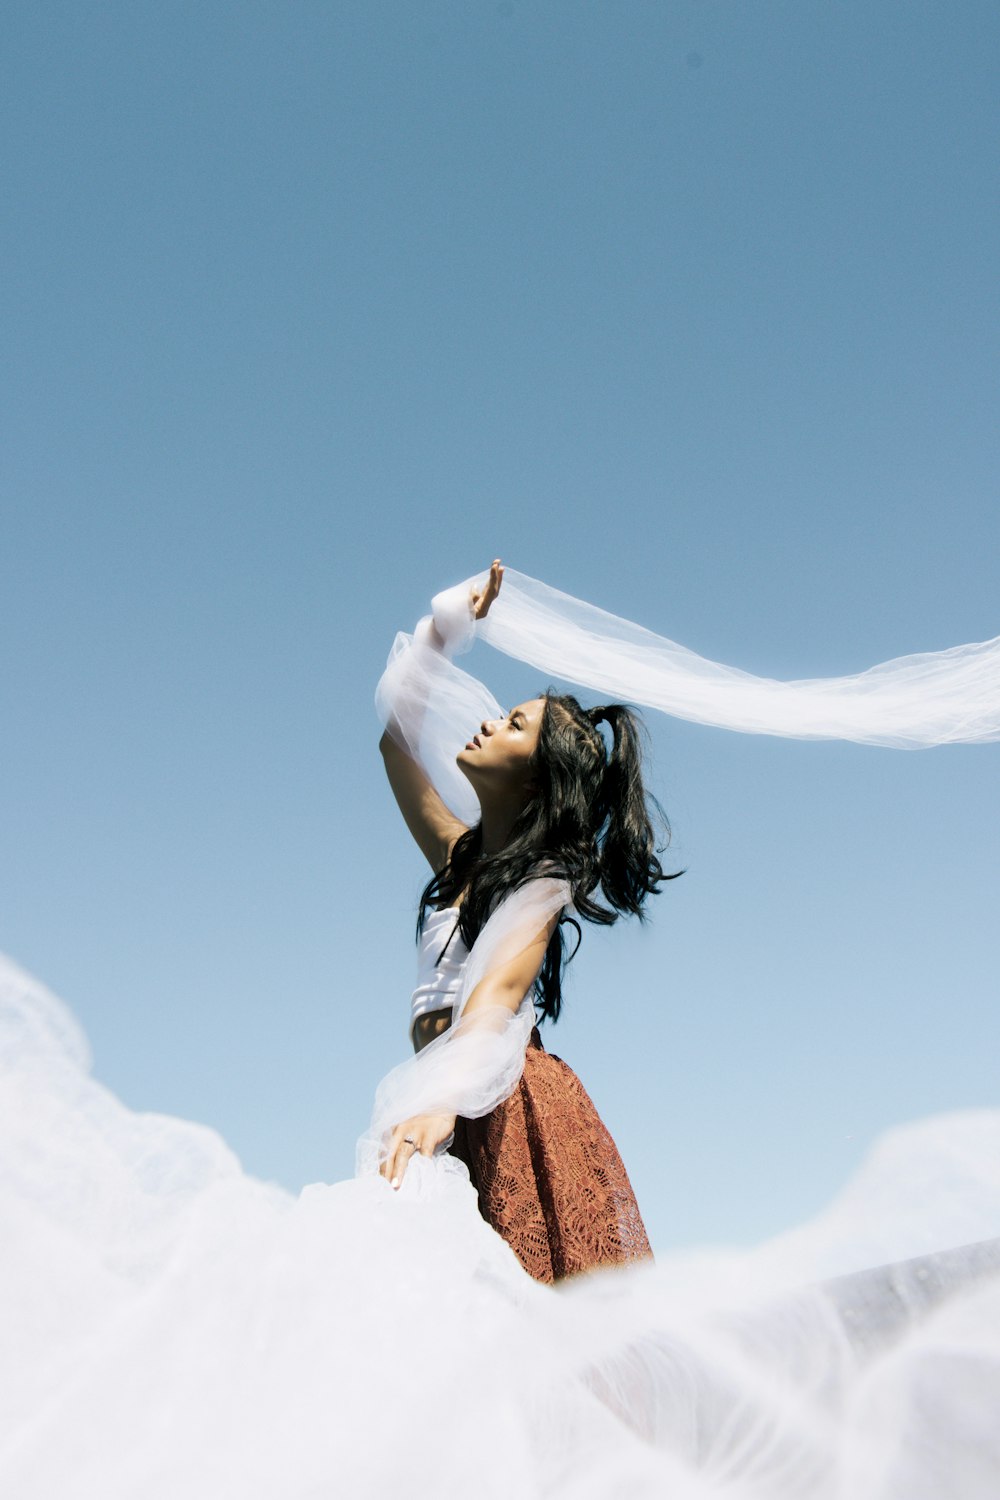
(175, 1328)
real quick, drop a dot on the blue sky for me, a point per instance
(689, 309)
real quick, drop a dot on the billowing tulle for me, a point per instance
(929, 698)
(431, 707)
(174, 1327)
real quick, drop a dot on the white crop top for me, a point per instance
(441, 958)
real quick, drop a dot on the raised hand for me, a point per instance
(481, 601)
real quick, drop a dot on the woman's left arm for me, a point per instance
(503, 988)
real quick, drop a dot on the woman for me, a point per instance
(522, 827)
(174, 1326)
(555, 804)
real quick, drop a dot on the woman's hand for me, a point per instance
(481, 602)
(423, 1133)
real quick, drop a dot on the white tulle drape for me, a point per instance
(430, 706)
(173, 1326)
(931, 698)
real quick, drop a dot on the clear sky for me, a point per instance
(689, 309)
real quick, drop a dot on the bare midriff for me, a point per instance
(433, 1023)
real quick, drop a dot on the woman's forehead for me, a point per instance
(531, 709)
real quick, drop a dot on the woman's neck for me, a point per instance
(498, 820)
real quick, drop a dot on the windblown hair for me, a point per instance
(591, 822)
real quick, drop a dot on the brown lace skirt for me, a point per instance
(549, 1176)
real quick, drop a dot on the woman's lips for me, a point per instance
(474, 743)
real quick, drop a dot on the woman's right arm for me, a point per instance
(431, 822)
(433, 826)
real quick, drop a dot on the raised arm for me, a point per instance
(434, 826)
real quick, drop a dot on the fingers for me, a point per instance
(423, 1133)
(400, 1151)
(481, 602)
(406, 1150)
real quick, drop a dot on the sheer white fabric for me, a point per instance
(174, 1327)
(932, 698)
(430, 706)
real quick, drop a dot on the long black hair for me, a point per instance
(590, 822)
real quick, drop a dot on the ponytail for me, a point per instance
(629, 870)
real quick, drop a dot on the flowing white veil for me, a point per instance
(931, 698)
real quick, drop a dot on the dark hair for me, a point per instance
(590, 823)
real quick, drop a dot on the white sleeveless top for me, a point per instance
(441, 958)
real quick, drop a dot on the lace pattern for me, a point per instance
(549, 1176)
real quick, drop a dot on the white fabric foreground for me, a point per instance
(934, 698)
(173, 1327)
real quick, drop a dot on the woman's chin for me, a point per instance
(464, 760)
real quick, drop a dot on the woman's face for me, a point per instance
(499, 759)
